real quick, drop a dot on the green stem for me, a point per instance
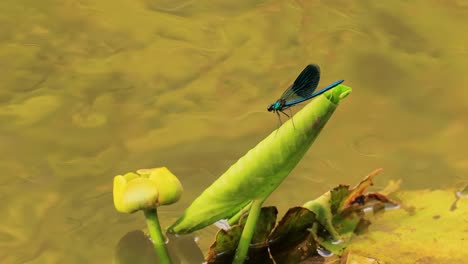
(235, 219)
(247, 233)
(157, 236)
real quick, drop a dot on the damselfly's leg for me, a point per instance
(279, 118)
(279, 121)
(288, 117)
(292, 119)
(285, 114)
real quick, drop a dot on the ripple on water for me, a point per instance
(368, 145)
(31, 110)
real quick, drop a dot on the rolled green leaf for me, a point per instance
(259, 172)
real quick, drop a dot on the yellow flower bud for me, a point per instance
(170, 188)
(145, 190)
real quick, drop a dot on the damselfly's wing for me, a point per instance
(304, 85)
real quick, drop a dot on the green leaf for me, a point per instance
(257, 174)
(338, 195)
(288, 243)
(291, 229)
(224, 247)
(223, 250)
(302, 231)
(323, 213)
(340, 213)
(265, 224)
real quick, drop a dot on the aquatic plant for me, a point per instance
(248, 182)
(303, 231)
(237, 197)
(146, 190)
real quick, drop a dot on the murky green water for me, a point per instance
(91, 89)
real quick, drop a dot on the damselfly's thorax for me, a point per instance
(277, 106)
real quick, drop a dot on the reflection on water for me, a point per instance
(91, 89)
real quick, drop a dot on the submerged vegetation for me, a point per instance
(242, 188)
(323, 226)
(320, 228)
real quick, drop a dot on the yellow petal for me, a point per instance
(139, 194)
(130, 176)
(120, 183)
(170, 188)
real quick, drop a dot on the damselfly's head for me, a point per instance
(271, 108)
(277, 106)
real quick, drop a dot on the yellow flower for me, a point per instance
(145, 189)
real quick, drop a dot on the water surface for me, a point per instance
(92, 89)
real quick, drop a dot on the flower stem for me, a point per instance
(235, 219)
(157, 236)
(247, 233)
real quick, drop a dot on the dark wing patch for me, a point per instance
(304, 85)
